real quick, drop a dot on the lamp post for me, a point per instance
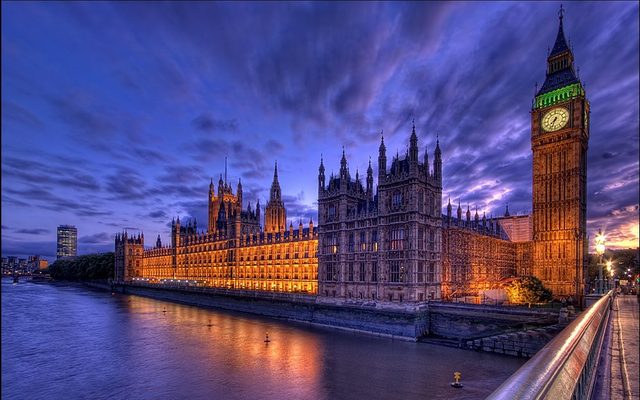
(600, 238)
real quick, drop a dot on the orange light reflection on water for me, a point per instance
(235, 345)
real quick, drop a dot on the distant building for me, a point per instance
(67, 241)
(36, 263)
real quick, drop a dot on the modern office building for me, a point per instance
(67, 241)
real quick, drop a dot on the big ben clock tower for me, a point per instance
(559, 140)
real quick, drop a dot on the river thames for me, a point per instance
(68, 342)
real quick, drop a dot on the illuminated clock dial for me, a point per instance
(555, 119)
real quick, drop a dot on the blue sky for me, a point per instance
(117, 115)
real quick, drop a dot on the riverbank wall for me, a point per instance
(450, 323)
(398, 324)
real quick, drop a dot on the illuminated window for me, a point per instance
(397, 239)
(374, 240)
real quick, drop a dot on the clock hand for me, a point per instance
(554, 120)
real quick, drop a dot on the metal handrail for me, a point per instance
(566, 367)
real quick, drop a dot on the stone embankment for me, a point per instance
(520, 344)
(465, 326)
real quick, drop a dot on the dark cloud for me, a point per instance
(157, 214)
(47, 200)
(97, 238)
(28, 170)
(37, 231)
(205, 122)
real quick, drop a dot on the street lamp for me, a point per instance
(609, 279)
(600, 238)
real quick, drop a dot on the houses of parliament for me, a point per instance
(393, 242)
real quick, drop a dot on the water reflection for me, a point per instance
(93, 345)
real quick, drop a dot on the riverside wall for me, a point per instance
(458, 322)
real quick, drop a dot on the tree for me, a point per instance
(527, 290)
(88, 267)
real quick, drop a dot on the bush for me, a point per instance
(88, 267)
(527, 290)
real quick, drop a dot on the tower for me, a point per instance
(275, 216)
(128, 256)
(559, 141)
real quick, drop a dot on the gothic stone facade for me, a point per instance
(385, 247)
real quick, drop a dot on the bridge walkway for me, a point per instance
(625, 349)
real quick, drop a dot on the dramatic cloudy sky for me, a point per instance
(116, 115)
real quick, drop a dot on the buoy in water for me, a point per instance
(456, 376)
(266, 339)
(164, 310)
(209, 324)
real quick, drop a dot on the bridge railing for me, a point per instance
(566, 367)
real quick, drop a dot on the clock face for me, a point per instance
(555, 119)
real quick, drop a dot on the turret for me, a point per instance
(344, 171)
(437, 163)
(239, 193)
(468, 214)
(158, 242)
(258, 211)
(506, 212)
(382, 161)
(321, 180)
(459, 213)
(370, 182)
(220, 186)
(449, 210)
(413, 146)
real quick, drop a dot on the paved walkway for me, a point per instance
(624, 350)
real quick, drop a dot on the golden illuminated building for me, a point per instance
(234, 253)
(478, 254)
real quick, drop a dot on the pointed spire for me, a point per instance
(344, 172)
(560, 44)
(275, 172)
(506, 213)
(369, 169)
